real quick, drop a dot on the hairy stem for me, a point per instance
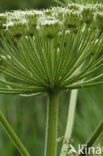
(70, 122)
(94, 136)
(12, 135)
(51, 127)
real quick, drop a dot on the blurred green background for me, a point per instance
(27, 115)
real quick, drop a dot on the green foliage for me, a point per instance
(24, 116)
(6, 5)
(27, 117)
(88, 115)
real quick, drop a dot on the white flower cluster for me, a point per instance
(51, 21)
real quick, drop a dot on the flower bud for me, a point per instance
(88, 14)
(49, 26)
(72, 19)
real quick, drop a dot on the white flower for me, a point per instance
(8, 25)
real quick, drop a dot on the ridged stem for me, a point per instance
(70, 122)
(51, 126)
(13, 136)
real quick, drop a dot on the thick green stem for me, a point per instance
(94, 136)
(70, 122)
(51, 127)
(13, 136)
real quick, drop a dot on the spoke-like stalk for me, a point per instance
(51, 127)
(70, 122)
(13, 136)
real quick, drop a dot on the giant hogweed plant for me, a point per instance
(47, 52)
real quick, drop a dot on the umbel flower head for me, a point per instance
(38, 64)
(18, 23)
(54, 49)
